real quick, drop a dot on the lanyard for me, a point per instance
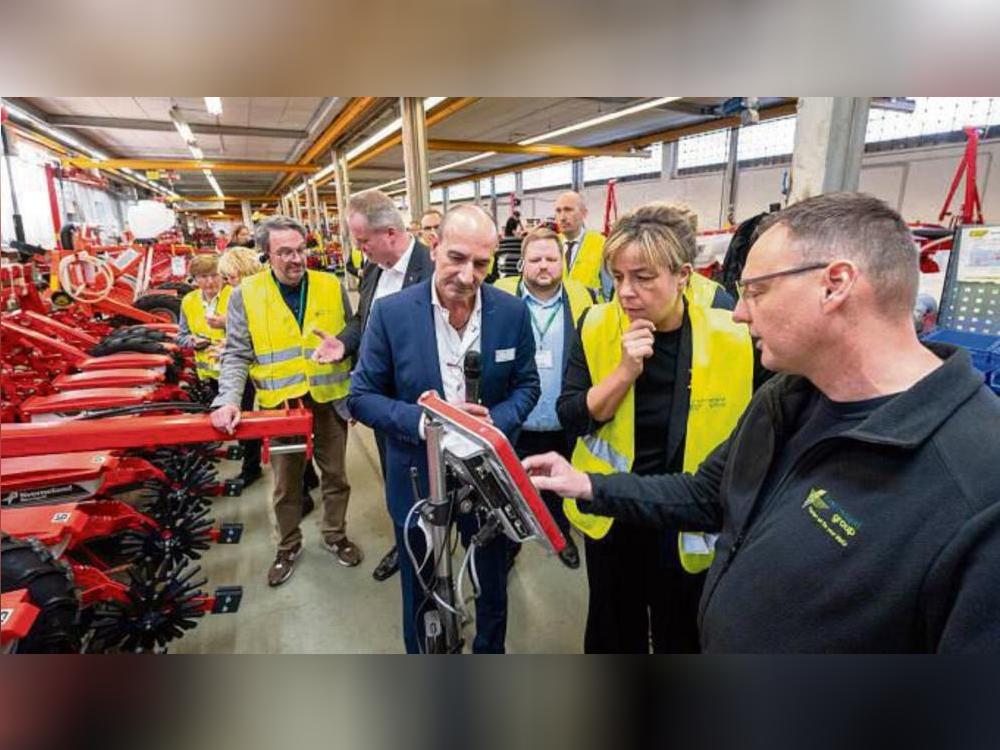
(548, 323)
(302, 304)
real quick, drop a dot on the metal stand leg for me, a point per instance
(442, 623)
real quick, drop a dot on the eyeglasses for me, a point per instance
(742, 284)
(286, 253)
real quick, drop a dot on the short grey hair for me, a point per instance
(860, 228)
(377, 209)
(262, 236)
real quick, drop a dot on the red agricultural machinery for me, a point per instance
(99, 543)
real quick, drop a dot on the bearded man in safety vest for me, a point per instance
(555, 304)
(281, 331)
(584, 247)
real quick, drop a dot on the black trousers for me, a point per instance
(640, 596)
(530, 443)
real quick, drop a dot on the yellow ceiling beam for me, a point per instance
(227, 199)
(188, 165)
(548, 149)
(352, 112)
(440, 113)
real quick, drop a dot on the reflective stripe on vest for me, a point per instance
(206, 364)
(587, 261)
(718, 397)
(578, 294)
(283, 369)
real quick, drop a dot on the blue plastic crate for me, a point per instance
(983, 349)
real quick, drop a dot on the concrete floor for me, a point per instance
(327, 608)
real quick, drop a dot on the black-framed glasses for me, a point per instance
(742, 284)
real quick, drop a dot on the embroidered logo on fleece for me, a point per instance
(828, 515)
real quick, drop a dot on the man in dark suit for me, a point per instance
(416, 341)
(395, 261)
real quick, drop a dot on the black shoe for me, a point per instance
(308, 504)
(387, 566)
(570, 555)
(250, 476)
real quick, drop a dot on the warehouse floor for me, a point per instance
(327, 608)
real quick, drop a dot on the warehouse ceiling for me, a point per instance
(300, 131)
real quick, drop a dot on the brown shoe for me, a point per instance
(346, 551)
(283, 566)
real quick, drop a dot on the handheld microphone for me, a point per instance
(472, 368)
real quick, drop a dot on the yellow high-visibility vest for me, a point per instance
(283, 368)
(579, 296)
(206, 363)
(587, 259)
(720, 389)
(357, 258)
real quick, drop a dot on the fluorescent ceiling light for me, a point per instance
(460, 162)
(211, 181)
(182, 127)
(429, 103)
(59, 135)
(196, 152)
(600, 120)
(214, 105)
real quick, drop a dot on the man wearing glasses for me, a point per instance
(858, 499)
(280, 330)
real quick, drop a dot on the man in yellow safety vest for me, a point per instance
(281, 331)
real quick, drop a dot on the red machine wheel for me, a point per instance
(28, 565)
(161, 304)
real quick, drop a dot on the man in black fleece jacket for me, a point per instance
(858, 500)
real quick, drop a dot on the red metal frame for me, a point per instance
(972, 209)
(146, 432)
(17, 615)
(610, 206)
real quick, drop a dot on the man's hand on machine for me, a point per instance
(330, 349)
(550, 471)
(226, 417)
(477, 410)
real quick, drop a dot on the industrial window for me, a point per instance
(505, 183)
(766, 140)
(549, 176)
(703, 150)
(932, 115)
(461, 191)
(437, 195)
(484, 188)
(601, 168)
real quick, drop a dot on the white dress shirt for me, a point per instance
(391, 279)
(453, 346)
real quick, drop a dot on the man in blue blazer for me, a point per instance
(415, 342)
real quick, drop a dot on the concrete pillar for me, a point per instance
(445, 203)
(343, 196)
(577, 178)
(493, 199)
(829, 145)
(415, 154)
(247, 214)
(730, 182)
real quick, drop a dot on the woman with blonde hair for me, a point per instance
(656, 379)
(236, 263)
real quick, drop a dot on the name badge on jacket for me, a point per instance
(505, 355)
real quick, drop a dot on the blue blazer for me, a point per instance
(398, 362)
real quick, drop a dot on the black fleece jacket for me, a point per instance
(883, 539)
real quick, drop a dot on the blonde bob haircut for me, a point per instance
(239, 261)
(664, 236)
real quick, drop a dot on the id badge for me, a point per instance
(543, 359)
